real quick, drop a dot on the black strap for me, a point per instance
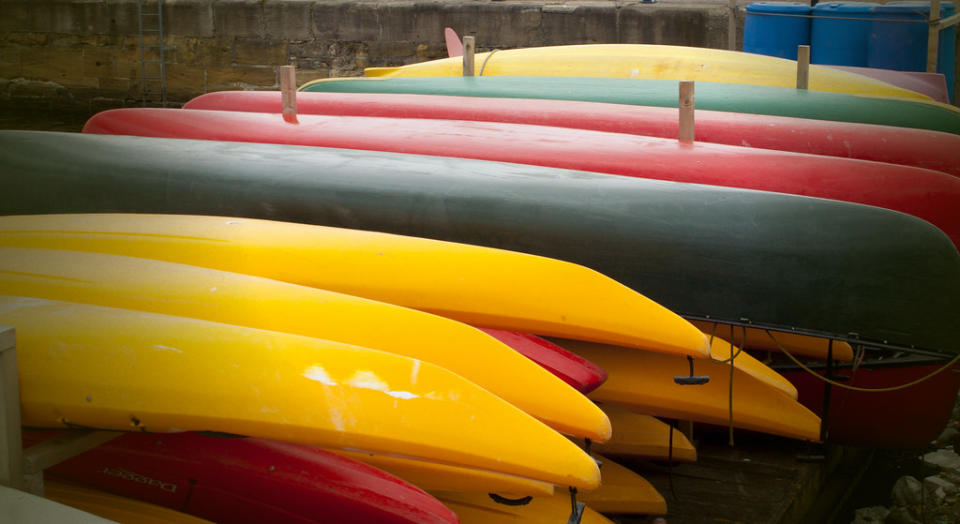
(576, 510)
(523, 501)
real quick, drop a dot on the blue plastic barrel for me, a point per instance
(840, 32)
(898, 39)
(776, 28)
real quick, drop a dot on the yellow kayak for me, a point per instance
(431, 476)
(477, 508)
(219, 296)
(721, 350)
(796, 344)
(623, 491)
(643, 381)
(91, 366)
(643, 436)
(477, 285)
(114, 507)
(663, 62)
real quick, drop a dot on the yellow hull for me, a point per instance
(83, 365)
(643, 436)
(623, 491)
(663, 62)
(721, 350)
(796, 344)
(477, 508)
(231, 298)
(114, 507)
(431, 476)
(643, 381)
(480, 286)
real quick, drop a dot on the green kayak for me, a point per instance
(778, 260)
(734, 98)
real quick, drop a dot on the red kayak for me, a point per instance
(894, 145)
(931, 195)
(907, 418)
(573, 369)
(247, 480)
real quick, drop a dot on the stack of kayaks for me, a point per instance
(321, 283)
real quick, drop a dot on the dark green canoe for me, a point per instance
(775, 259)
(735, 98)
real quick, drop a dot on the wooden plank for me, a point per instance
(469, 48)
(933, 37)
(803, 66)
(288, 92)
(687, 104)
(11, 443)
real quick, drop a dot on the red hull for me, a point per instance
(247, 480)
(573, 369)
(931, 195)
(909, 418)
(894, 145)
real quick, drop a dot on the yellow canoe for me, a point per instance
(114, 507)
(477, 508)
(243, 300)
(477, 285)
(642, 436)
(92, 366)
(663, 62)
(431, 476)
(796, 344)
(623, 491)
(643, 381)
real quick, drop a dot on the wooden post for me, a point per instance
(732, 26)
(933, 36)
(686, 105)
(469, 48)
(11, 441)
(288, 93)
(803, 66)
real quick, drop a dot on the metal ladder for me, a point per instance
(153, 71)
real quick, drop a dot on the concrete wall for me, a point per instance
(85, 54)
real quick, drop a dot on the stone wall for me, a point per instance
(85, 54)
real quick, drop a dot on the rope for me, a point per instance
(949, 364)
(730, 391)
(485, 60)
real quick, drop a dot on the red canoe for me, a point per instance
(894, 145)
(907, 418)
(247, 480)
(931, 195)
(573, 369)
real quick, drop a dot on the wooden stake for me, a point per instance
(686, 106)
(288, 92)
(11, 443)
(732, 25)
(933, 37)
(803, 66)
(469, 48)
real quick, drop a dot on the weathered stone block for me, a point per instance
(26, 38)
(344, 20)
(58, 65)
(125, 69)
(906, 491)
(241, 77)
(584, 24)
(672, 25)
(122, 86)
(238, 18)
(98, 62)
(518, 25)
(306, 75)
(16, 16)
(188, 18)
(289, 20)
(257, 51)
(184, 79)
(9, 61)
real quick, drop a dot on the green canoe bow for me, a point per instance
(735, 98)
(778, 260)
